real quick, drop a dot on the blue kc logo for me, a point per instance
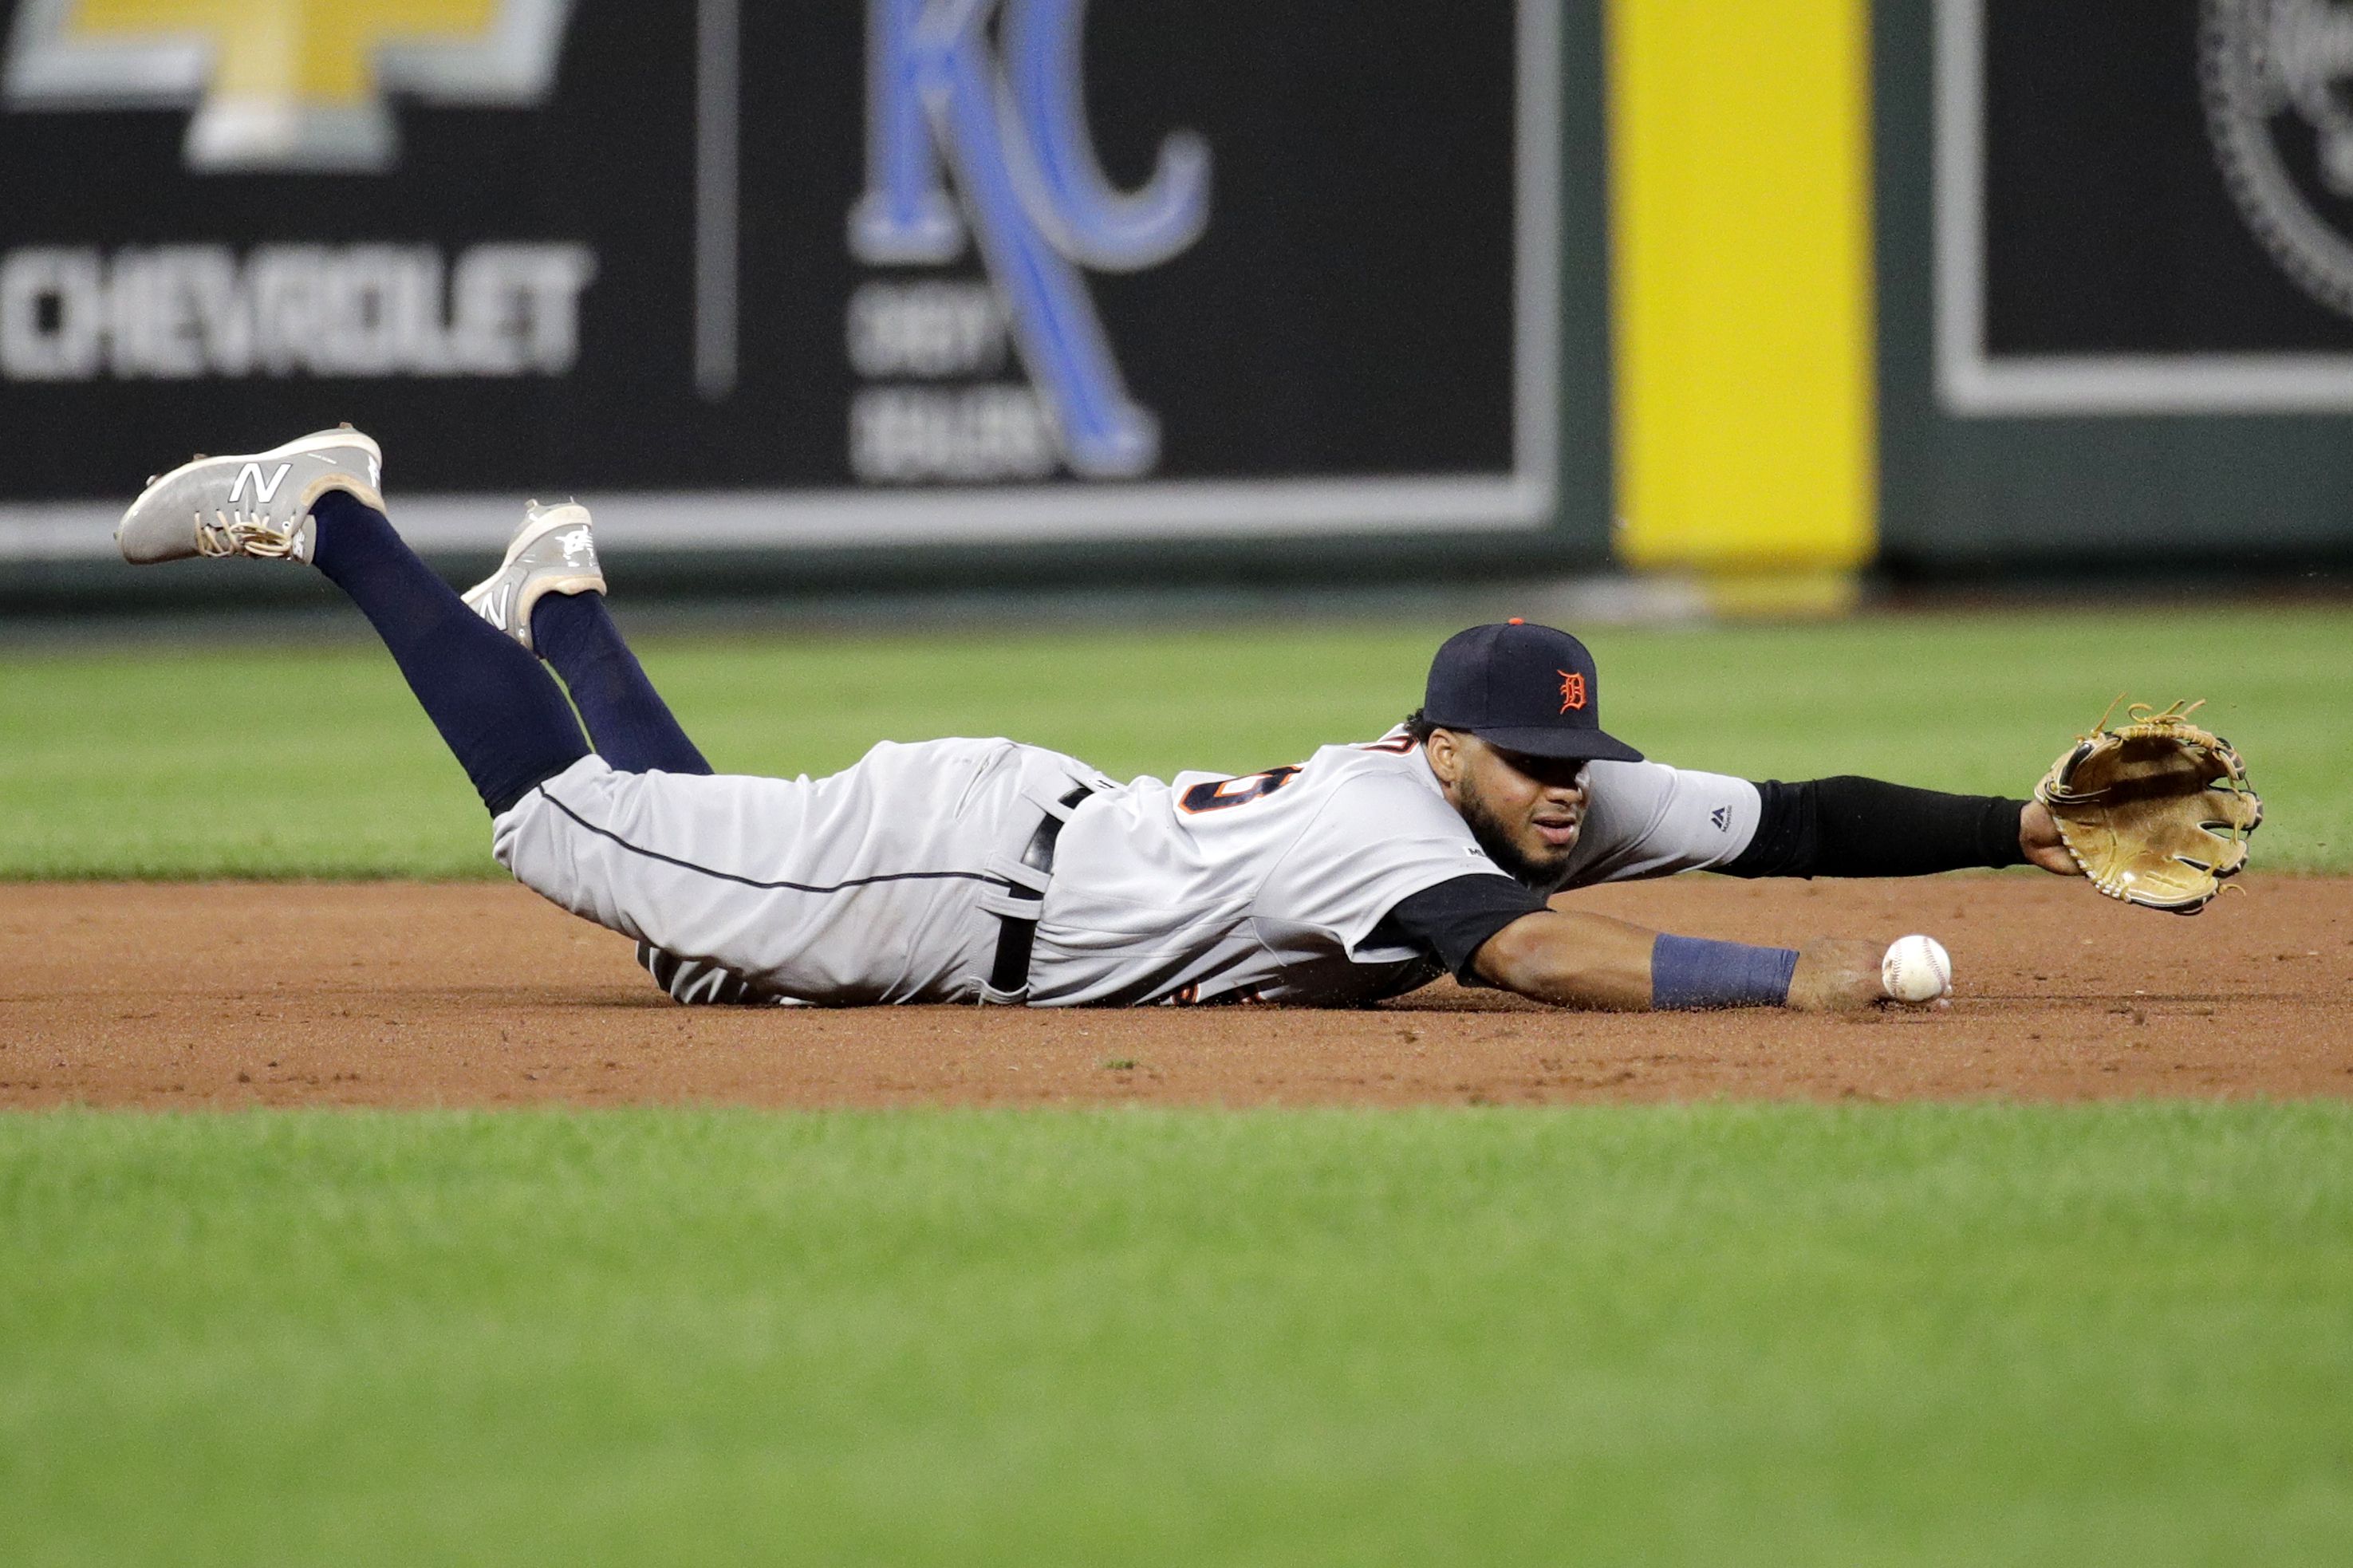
(1007, 121)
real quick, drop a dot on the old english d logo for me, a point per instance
(283, 85)
(1572, 690)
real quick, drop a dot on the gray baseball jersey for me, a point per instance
(884, 882)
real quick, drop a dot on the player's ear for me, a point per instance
(1444, 750)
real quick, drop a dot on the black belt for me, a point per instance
(1011, 970)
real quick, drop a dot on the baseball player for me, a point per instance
(985, 870)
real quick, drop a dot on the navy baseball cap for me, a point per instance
(1525, 689)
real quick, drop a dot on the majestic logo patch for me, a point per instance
(283, 85)
(1572, 690)
(1721, 816)
(2277, 76)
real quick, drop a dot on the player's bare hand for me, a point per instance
(1838, 974)
(2038, 841)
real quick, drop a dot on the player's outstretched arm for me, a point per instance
(1571, 959)
(1850, 826)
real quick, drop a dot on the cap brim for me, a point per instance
(1579, 745)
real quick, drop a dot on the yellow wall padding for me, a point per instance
(1740, 162)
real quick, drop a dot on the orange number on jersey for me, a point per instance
(1219, 793)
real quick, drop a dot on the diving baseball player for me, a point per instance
(985, 870)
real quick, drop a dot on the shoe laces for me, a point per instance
(246, 533)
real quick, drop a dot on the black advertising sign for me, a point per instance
(2108, 337)
(895, 272)
(2145, 208)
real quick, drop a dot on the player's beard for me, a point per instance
(1505, 849)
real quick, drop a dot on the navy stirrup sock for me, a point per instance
(632, 726)
(503, 716)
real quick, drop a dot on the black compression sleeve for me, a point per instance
(1849, 827)
(1454, 920)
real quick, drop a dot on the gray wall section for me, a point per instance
(1587, 507)
(2061, 492)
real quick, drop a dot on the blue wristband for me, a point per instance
(1692, 971)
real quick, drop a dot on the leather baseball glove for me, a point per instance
(2155, 811)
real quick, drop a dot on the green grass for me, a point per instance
(314, 762)
(1705, 1335)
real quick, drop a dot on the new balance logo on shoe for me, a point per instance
(494, 607)
(265, 490)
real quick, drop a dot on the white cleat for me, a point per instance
(258, 505)
(554, 552)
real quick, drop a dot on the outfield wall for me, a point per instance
(1023, 290)
(1035, 292)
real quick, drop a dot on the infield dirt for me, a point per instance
(222, 995)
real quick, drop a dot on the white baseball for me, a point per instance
(1916, 969)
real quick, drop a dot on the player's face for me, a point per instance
(1526, 812)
